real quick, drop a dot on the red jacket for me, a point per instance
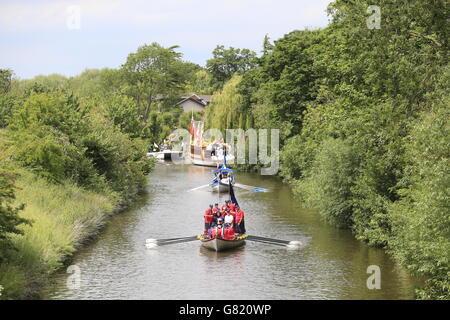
(232, 206)
(208, 216)
(216, 232)
(239, 214)
(228, 233)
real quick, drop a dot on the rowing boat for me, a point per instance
(222, 185)
(223, 178)
(217, 244)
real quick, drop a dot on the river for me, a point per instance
(330, 263)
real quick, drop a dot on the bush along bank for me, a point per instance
(65, 167)
(364, 126)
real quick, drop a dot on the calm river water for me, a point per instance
(330, 264)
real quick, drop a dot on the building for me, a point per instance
(194, 102)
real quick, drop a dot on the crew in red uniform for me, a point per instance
(218, 230)
(208, 218)
(226, 205)
(239, 225)
(228, 233)
(216, 209)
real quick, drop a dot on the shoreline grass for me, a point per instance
(64, 217)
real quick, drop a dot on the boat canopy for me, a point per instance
(223, 170)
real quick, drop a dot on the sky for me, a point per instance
(67, 37)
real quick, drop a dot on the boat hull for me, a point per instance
(206, 163)
(220, 187)
(166, 155)
(222, 244)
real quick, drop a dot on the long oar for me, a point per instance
(273, 241)
(268, 242)
(204, 186)
(176, 241)
(151, 243)
(251, 188)
(170, 239)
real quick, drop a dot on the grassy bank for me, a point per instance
(71, 165)
(63, 217)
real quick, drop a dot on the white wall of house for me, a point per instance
(190, 105)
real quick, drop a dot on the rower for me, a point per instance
(239, 226)
(216, 208)
(208, 218)
(228, 233)
(225, 205)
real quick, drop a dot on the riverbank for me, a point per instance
(64, 216)
(71, 165)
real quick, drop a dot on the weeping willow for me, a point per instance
(224, 111)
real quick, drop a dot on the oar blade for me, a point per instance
(153, 243)
(251, 188)
(198, 188)
(287, 243)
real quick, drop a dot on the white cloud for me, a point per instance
(35, 38)
(35, 16)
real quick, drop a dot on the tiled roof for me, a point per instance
(200, 99)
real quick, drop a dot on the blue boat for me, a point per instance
(223, 178)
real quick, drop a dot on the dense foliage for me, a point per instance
(363, 118)
(226, 62)
(9, 215)
(79, 149)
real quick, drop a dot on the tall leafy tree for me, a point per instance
(151, 72)
(226, 62)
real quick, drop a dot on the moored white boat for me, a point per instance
(210, 161)
(166, 155)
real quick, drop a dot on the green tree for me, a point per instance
(43, 83)
(7, 102)
(420, 219)
(124, 113)
(328, 185)
(154, 70)
(226, 62)
(5, 80)
(9, 215)
(200, 83)
(101, 82)
(224, 110)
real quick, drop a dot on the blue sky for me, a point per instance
(43, 37)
